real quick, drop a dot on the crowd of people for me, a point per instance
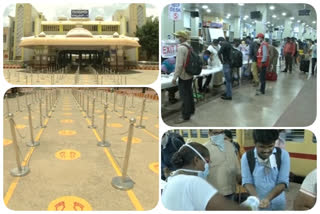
(253, 57)
(205, 176)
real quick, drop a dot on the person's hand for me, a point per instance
(264, 203)
(174, 82)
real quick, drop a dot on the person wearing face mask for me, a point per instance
(187, 189)
(268, 174)
(207, 61)
(262, 63)
(224, 164)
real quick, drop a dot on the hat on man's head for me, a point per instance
(182, 33)
(260, 35)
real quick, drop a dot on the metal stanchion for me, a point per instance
(20, 170)
(132, 101)
(7, 103)
(87, 114)
(40, 107)
(104, 142)
(114, 101)
(26, 99)
(106, 96)
(18, 103)
(124, 182)
(92, 116)
(140, 126)
(32, 143)
(124, 107)
(47, 112)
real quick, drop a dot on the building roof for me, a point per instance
(79, 37)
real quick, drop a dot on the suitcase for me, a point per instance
(271, 76)
(304, 65)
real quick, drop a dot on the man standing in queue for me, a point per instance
(265, 170)
(262, 63)
(225, 58)
(185, 80)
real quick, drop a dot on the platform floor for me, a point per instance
(86, 172)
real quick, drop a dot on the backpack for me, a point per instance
(193, 64)
(236, 58)
(252, 162)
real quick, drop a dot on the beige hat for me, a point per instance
(182, 33)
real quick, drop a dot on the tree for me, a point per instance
(148, 35)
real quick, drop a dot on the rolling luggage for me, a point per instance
(271, 76)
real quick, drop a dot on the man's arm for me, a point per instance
(179, 62)
(304, 201)
(264, 203)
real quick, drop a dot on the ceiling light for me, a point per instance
(205, 6)
(272, 25)
(292, 18)
(313, 22)
(228, 14)
(284, 14)
(268, 22)
(240, 4)
(196, 9)
(246, 16)
(271, 7)
(298, 21)
(274, 16)
(208, 10)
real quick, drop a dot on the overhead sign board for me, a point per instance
(175, 11)
(79, 13)
(304, 12)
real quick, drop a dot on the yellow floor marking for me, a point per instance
(66, 121)
(67, 154)
(154, 167)
(152, 135)
(6, 142)
(134, 140)
(157, 126)
(67, 114)
(20, 126)
(10, 191)
(115, 125)
(67, 132)
(69, 203)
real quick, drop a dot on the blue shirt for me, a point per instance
(264, 183)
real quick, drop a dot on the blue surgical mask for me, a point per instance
(203, 174)
(206, 57)
(218, 140)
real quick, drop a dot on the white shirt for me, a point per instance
(214, 51)
(187, 192)
(309, 185)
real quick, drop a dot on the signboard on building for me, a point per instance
(304, 12)
(169, 48)
(175, 11)
(79, 13)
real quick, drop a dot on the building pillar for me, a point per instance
(235, 28)
(261, 25)
(287, 31)
(194, 26)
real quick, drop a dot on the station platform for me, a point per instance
(68, 171)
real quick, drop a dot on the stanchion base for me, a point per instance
(122, 184)
(104, 144)
(140, 127)
(92, 127)
(43, 127)
(123, 116)
(17, 173)
(36, 143)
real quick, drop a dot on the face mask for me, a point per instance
(203, 174)
(206, 57)
(218, 140)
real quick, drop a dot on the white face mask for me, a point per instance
(203, 174)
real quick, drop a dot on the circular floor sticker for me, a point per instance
(115, 125)
(67, 154)
(69, 203)
(154, 167)
(157, 126)
(67, 132)
(20, 126)
(6, 142)
(66, 121)
(67, 113)
(134, 139)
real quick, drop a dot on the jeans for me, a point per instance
(228, 78)
(288, 58)
(262, 76)
(186, 95)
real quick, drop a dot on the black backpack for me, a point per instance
(252, 162)
(236, 58)
(193, 64)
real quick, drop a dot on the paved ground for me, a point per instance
(86, 172)
(132, 77)
(247, 109)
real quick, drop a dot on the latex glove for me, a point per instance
(264, 203)
(252, 202)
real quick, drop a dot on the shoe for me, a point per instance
(259, 93)
(180, 120)
(226, 98)
(284, 71)
(173, 100)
